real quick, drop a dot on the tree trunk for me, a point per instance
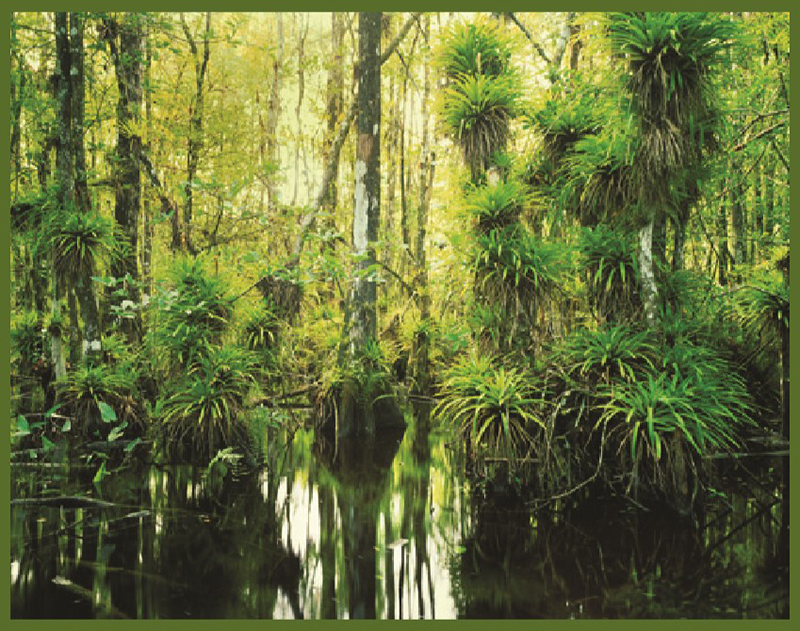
(335, 105)
(366, 213)
(147, 226)
(649, 289)
(769, 197)
(195, 142)
(129, 147)
(421, 341)
(722, 242)
(758, 216)
(64, 165)
(302, 27)
(76, 22)
(274, 111)
(739, 226)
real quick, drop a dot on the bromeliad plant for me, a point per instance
(192, 317)
(611, 272)
(494, 408)
(497, 205)
(101, 402)
(475, 48)
(201, 413)
(477, 112)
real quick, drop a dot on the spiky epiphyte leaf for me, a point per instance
(201, 414)
(78, 241)
(497, 205)
(612, 272)
(474, 48)
(495, 407)
(477, 111)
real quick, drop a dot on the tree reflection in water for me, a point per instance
(374, 529)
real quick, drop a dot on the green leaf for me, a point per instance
(130, 446)
(107, 412)
(67, 426)
(52, 410)
(47, 444)
(22, 424)
(115, 433)
(101, 473)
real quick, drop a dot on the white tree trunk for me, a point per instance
(649, 289)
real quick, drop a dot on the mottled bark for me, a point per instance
(128, 66)
(427, 166)
(77, 95)
(274, 110)
(366, 212)
(64, 165)
(649, 289)
(195, 141)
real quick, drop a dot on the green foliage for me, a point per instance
(494, 407)
(765, 309)
(78, 240)
(598, 175)
(200, 413)
(564, 121)
(191, 317)
(261, 329)
(477, 111)
(669, 55)
(27, 338)
(475, 48)
(497, 205)
(611, 352)
(611, 272)
(515, 273)
(99, 396)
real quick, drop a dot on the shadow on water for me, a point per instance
(386, 528)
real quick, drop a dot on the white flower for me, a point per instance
(127, 304)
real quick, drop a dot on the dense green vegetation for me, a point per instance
(576, 248)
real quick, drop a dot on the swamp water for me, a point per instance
(384, 531)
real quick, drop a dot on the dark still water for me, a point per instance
(388, 531)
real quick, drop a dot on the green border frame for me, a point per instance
(445, 625)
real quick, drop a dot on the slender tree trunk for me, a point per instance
(274, 111)
(76, 22)
(421, 341)
(302, 27)
(195, 144)
(769, 196)
(660, 241)
(757, 238)
(649, 289)
(738, 223)
(722, 242)
(17, 96)
(64, 164)
(129, 149)
(335, 104)
(147, 226)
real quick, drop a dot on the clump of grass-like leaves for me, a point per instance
(101, 401)
(474, 48)
(78, 240)
(493, 407)
(477, 111)
(515, 273)
(201, 413)
(497, 205)
(610, 352)
(192, 316)
(611, 269)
